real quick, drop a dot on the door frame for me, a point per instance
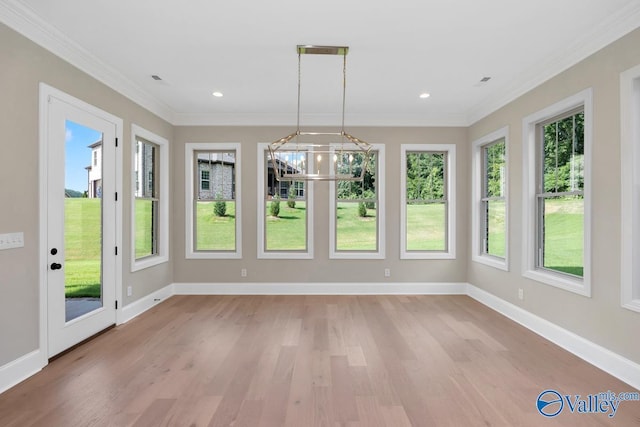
(47, 92)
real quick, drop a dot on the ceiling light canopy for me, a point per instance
(320, 156)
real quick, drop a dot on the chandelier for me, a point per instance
(320, 156)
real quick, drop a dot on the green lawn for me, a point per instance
(287, 232)
(564, 228)
(215, 233)
(426, 227)
(354, 233)
(82, 234)
(144, 227)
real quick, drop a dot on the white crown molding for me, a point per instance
(609, 30)
(351, 120)
(25, 21)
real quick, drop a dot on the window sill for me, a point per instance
(491, 261)
(427, 255)
(148, 262)
(213, 255)
(577, 286)
(285, 255)
(633, 305)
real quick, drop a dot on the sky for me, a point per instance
(78, 155)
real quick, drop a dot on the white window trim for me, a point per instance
(476, 202)
(450, 253)
(189, 150)
(262, 253)
(579, 286)
(163, 204)
(380, 214)
(630, 186)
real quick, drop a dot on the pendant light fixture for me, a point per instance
(318, 155)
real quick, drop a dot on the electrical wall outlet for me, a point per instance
(243, 272)
(11, 240)
(129, 291)
(521, 293)
(387, 272)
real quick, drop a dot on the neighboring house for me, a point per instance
(144, 172)
(216, 176)
(94, 171)
(282, 188)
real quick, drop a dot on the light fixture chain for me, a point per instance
(344, 89)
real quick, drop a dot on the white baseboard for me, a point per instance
(320, 288)
(610, 362)
(20, 369)
(138, 307)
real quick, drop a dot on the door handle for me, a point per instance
(56, 266)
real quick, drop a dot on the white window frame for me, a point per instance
(450, 194)
(380, 215)
(478, 228)
(630, 186)
(581, 286)
(189, 168)
(162, 254)
(262, 253)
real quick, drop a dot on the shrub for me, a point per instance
(369, 194)
(274, 208)
(291, 200)
(220, 207)
(362, 209)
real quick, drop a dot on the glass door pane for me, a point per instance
(82, 220)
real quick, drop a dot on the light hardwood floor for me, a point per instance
(311, 361)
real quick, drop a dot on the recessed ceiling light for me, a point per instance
(425, 95)
(217, 94)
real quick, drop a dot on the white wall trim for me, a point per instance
(189, 169)
(263, 253)
(382, 288)
(450, 197)
(610, 362)
(581, 286)
(20, 369)
(630, 187)
(162, 255)
(381, 176)
(477, 228)
(145, 303)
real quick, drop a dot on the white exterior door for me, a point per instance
(81, 231)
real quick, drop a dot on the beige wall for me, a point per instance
(600, 318)
(23, 65)
(321, 268)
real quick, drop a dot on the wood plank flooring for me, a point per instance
(311, 361)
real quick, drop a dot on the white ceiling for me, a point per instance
(246, 50)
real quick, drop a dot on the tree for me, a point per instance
(564, 154)
(425, 176)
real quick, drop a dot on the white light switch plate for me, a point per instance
(11, 240)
